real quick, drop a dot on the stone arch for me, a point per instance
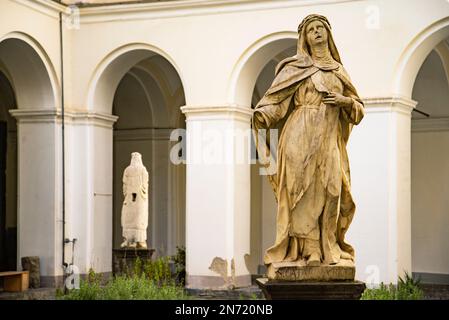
(35, 82)
(111, 70)
(142, 85)
(249, 65)
(414, 55)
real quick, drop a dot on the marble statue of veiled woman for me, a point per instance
(314, 105)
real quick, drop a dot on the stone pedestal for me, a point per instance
(124, 259)
(310, 290)
(299, 271)
(32, 265)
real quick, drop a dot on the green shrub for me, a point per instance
(141, 288)
(154, 283)
(382, 293)
(158, 270)
(180, 265)
(406, 289)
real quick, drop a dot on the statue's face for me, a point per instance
(316, 33)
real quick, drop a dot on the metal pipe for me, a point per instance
(61, 41)
(421, 112)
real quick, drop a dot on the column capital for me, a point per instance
(389, 104)
(218, 112)
(71, 116)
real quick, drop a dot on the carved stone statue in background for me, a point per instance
(314, 105)
(135, 205)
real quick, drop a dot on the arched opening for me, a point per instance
(8, 177)
(29, 155)
(251, 78)
(147, 101)
(430, 168)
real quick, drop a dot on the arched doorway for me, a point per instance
(8, 177)
(145, 91)
(147, 103)
(430, 168)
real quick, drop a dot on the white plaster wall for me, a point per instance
(102, 215)
(379, 156)
(430, 202)
(256, 221)
(199, 48)
(40, 184)
(89, 195)
(368, 230)
(430, 170)
(218, 198)
(78, 159)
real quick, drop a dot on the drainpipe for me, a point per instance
(64, 264)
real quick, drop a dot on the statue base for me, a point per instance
(124, 259)
(299, 271)
(310, 290)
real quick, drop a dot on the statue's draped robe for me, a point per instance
(135, 205)
(312, 182)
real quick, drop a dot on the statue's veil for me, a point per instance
(303, 57)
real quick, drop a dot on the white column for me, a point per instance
(88, 181)
(39, 214)
(89, 143)
(380, 159)
(217, 196)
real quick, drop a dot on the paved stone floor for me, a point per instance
(248, 293)
(31, 294)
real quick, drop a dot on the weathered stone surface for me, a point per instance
(32, 264)
(313, 105)
(134, 217)
(298, 271)
(310, 290)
